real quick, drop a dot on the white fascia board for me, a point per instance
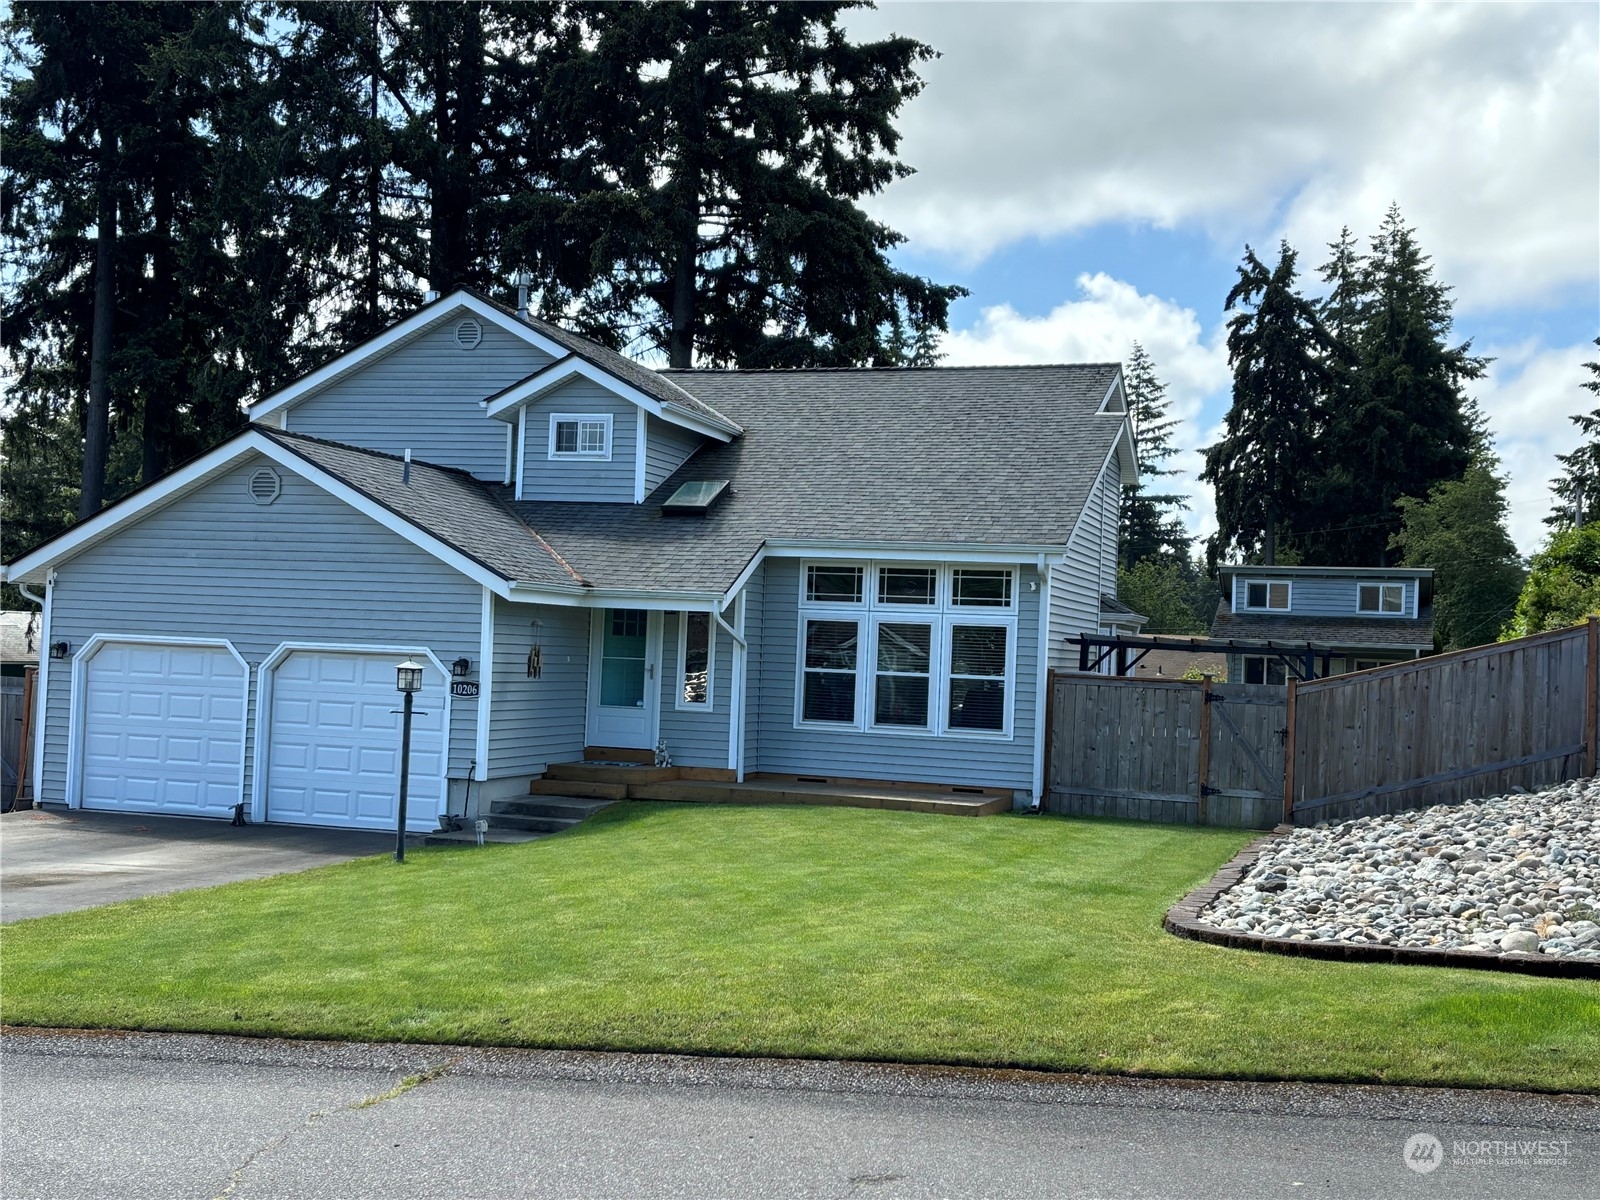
(1105, 401)
(418, 322)
(572, 366)
(582, 597)
(756, 559)
(908, 551)
(1128, 452)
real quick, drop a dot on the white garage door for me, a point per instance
(163, 729)
(334, 757)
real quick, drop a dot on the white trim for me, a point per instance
(1105, 408)
(522, 451)
(41, 698)
(415, 325)
(77, 712)
(641, 433)
(750, 568)
(1379, 612)
(1241, 590)
(485, 688)
(679, 704)
(736, 715)
(264, 675)
(1011, 555)
(565, 368)
(653, 673)
(166, 490)
(578, 596)
(511, 454)
(1042, 701)
(580, 419)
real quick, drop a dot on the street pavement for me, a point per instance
(57, 860)
(149, 1115)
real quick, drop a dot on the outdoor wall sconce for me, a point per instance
(60, 649)
(461, 667)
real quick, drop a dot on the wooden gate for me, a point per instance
(1194, 753)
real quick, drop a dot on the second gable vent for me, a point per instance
(469, 334)
(265, 486)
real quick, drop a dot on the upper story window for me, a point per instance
(580, 435)
(833, 585)
(1385, 598)
(1267, 595)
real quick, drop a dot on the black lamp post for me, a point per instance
(408, 680)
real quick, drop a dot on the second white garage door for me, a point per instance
(334, 754)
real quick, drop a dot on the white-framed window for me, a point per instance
(697, 660)
(1385, 599)
(1261, 669)
(907, 648)
(580, 435)
(1269, 595)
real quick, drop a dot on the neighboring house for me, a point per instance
(1351, 617)
(1181, 664)
(19, 643)
(856, 574)
(19, 653)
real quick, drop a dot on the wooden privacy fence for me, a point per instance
(1444, 729)
(1437, 730)
(1194, 753)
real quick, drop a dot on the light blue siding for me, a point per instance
(667, 447)
(535, 722)
(784, 749)
(695, 738)
(425, 397)
(1330, 596)
(545, 478)
(1090, 569)
(755, 590)
(306, 568)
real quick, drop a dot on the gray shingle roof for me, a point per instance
(453, 506)
(970, 456)
(1352, 632)
(19, 637)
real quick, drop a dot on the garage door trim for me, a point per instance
(263, 730)
(77, 708)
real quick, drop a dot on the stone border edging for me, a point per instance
(1183, 920)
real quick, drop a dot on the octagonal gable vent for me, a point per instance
(468, 334)
(265, 486)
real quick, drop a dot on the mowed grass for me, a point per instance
(816, 932)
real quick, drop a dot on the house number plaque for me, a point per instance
(463, 687)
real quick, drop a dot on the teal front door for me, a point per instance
(624, 678)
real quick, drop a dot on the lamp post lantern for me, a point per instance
(408, 681)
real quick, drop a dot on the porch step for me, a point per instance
(550, 815)
(578, 787)
(609, 773)
(467, 837)
(832, 795)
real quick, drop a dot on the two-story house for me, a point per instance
(1353, 617)
(826, 574)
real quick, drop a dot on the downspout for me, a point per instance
(741, 650)
(1042, 701)
(41, 702)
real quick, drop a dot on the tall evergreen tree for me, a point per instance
(1577, 488)
(746, 133)
(1399, 422)
(1150, 525)
(1277, 347)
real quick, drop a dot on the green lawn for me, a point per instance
(829, 932)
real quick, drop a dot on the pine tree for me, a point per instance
(1577, 488)
(1277, 347)
(1398, 424)
(1150, 525)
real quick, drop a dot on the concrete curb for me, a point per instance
(1183, 920)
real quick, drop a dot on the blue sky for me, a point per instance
(1092, 172)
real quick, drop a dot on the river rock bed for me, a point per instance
(1514, 873)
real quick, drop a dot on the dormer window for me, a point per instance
(577, 435)
(1267, 596)
(1385, 598)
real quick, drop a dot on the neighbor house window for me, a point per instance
(1270, 596)
(696, 656)
(1258, 669)
(1381, 598)
(830, 671)
(902, 649)
(577, 436)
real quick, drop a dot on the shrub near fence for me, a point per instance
(1444, 729)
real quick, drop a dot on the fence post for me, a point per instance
(1205, 749)
(1049, 734)
(1288, 755)
(1591, 697)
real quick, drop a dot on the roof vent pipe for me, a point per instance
(429, 296)
(524, 281)
(405, 475)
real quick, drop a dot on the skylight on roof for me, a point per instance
(694, 499)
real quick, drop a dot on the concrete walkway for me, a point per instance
(57, 860)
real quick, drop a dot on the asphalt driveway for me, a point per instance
(57, 860)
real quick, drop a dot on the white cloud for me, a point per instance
(1529, 395)
(1251, 120)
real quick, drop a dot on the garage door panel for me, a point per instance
(335, 743)
(163, 728)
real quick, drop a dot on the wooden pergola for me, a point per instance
(1299, 659)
